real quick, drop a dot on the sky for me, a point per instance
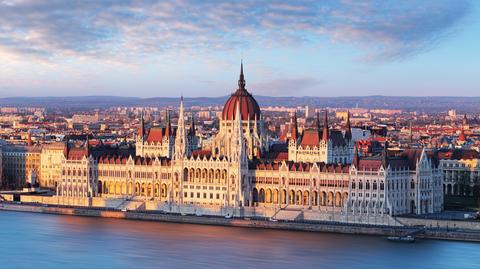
(146, 48)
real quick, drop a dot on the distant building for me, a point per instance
(461, 172)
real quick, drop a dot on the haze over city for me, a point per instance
(290, 48)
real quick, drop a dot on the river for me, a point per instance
(30, 240)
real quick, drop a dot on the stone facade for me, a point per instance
(232, 173)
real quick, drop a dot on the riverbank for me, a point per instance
(328, 227)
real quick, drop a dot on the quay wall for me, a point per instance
(440, 223)
(248, 223)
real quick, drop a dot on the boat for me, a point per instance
(407, 239)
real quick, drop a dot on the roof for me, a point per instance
(249, 109)
(458, 154)
(311, 138)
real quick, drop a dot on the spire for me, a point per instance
(87, 142)
(168, 124)
(325, 135)
(318, 121)
(181, 147)
(294, 129)
(237, 146)
(142, 127)
(191, 130)
(384, 156)
(348, 131)
(66, 149)
(241, 80)
(356, 157)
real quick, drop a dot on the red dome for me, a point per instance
(249, 109)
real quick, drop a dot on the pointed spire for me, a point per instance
(66, 149)
(356, 157)
(294, 129)
(318, 121)
(87, 143)
(241, 80)
(142, 126)
(325, 134)
(181, 142)
(348, 131)
(237, 146)
(168, 124)
(384, 156)
(191, 131)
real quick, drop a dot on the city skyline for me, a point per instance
(302, 48)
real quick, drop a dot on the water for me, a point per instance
(29, 240)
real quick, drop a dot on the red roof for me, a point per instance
(310, 138)
(155, 134)
(249, 109)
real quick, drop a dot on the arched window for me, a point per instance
(353, 185)
(367, 185)
(382, 187)
(374, 185)
(360, 185)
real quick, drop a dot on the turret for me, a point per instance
(191, 130)
(181, 141)
(325, 134)
(348, 131)
(66, 149)
(168, 124)
(356, 156)
(141, 130)
(294, 128)
(237, 146)
(86, 146)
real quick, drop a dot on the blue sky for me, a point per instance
(149, 48)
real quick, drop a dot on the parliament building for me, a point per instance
(323, 171)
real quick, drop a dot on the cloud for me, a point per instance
(125, 30)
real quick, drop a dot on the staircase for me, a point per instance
(130, 204)
(288, 214)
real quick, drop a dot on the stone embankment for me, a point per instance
(331, 227)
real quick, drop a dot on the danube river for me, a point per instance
(30, 240)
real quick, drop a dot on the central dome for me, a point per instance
(249, 109)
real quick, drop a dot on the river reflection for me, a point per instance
(49, 241)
